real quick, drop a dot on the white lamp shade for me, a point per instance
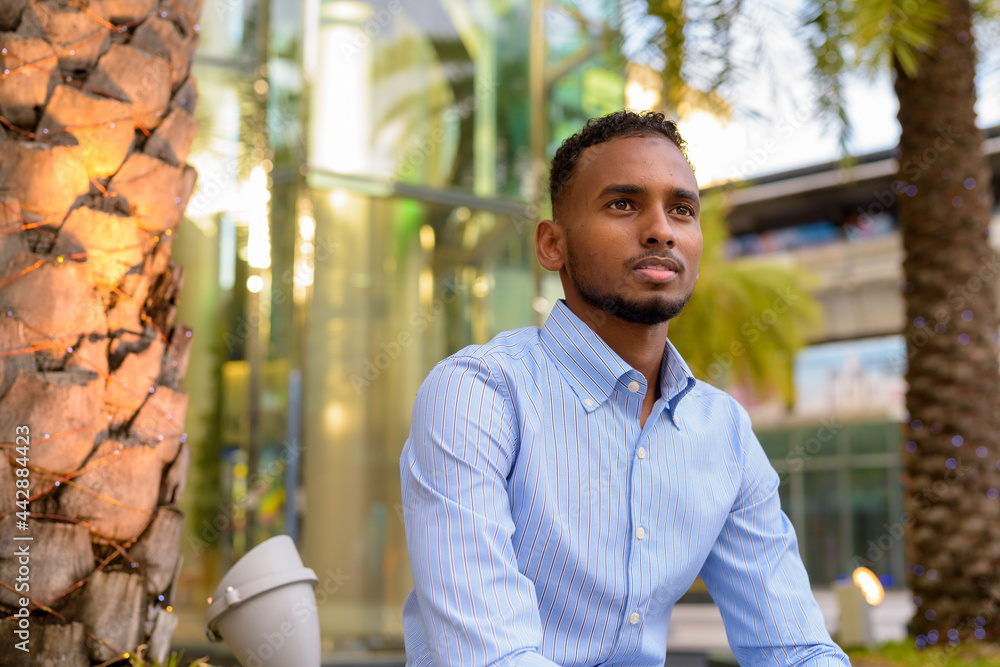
(265, 608)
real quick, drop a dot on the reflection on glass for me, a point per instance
(406, 283)
(426, 92)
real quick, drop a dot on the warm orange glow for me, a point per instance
(869, 584)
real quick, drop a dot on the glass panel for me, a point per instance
(820, 540)
(819, 441)
(221, 33)
(405, 283)
(874, 536)
(513, 149)
(873, 438)
(785, 494)
(584, 89)
(410, 92)
(775, 444)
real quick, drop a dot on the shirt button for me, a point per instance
(633, 386)
(640, 532)
(589, 403)
(641, 452)
(634, 618)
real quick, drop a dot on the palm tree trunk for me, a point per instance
(96, 107)
(951, 447)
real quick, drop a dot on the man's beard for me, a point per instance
(650, 311)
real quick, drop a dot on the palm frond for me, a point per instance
(747, 318)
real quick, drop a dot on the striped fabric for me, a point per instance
(545, 527)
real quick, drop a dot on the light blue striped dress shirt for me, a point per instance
(545, 527)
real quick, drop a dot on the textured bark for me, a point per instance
(96, 122)
(160, 637)
(28, 83)
(98, 127)
(57, 646)
(951, 448)
(159, 548)
(61, 555)
(112, 607)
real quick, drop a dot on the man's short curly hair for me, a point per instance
(624, 123)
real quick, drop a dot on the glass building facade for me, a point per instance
(366, 206)
(841, 489)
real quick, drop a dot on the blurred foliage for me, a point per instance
(906, 654)
(747, 317)
(692, 43)
(693, 68)
(848, 36)
(174, 661)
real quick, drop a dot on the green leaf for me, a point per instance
(747, 318)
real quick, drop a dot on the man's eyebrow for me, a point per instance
(632, 189)
(621, 189)
(684, 193)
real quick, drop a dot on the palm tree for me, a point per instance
(96, 107)
(943, 195)
(953, 379)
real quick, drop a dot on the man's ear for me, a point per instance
(549, 245)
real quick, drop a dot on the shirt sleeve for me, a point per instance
(757, 579)
(473, 604)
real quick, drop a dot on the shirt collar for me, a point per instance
(676, 379)
(593, 369)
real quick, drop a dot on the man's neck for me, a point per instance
(639, 345)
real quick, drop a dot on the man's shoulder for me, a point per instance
(709, 391)
(506, 347)
(507, 353)
(500, 365)
(716, 399)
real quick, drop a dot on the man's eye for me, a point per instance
(621, 205)
(684, 209)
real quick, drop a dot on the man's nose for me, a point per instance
(657, 229)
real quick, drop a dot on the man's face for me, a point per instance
(630, 236)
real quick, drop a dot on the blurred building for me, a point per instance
(369, 183)
(369, 180)
(838, 450)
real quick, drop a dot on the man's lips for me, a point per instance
(657, 269)
(657, 275)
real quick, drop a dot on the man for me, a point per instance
(564, 486)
